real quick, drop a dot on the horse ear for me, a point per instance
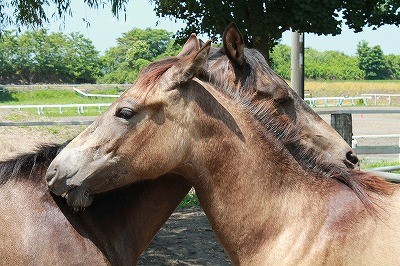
(201, 43)
(194, 63)
(186, 68)
(191, 45)
(234, 44)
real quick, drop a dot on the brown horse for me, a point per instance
(99, 222)
(38, 228)
(265, 205)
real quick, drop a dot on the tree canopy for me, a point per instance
(369, 63)
(40, 57)
(372, 62)
(34, 13)
(135, 49)
(262, 22)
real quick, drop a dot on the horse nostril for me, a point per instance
(352, 157)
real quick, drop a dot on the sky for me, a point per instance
(104, 29)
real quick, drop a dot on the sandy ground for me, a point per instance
(186, 239)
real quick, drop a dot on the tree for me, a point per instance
(280, 60)
(393, 62)
(37, 56)
(7, 48)
(263, 22)
(331, 65)
(135, 50)
(34, 13)
(372, 61)
(327, 65)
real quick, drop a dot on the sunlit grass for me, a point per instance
(52, 97)
(368, 165)
(351, 88)
(191, 200)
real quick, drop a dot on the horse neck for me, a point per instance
(87, 224)
(251, 188)
(122, 223)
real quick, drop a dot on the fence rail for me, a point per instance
(339, 100)
(40, 107)
(95, 95)
(376, 149)
(376, 96)
(45, 123)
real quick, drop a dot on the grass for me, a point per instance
(37, 97)
(369, 165)
(351, 88)
(191, 200)
(52, 97)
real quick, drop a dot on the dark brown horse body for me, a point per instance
(267, 204)
(37, 228)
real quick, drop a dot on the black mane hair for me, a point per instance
(29, 162)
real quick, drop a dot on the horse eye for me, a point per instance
(125, 113)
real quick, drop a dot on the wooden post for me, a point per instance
(343, 125)
(297, 63)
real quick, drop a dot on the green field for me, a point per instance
(52, 97)
(37, 97)
(351, 88)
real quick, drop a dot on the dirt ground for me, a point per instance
(186, 239)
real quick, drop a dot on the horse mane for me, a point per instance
(256, 79)
(152, 73)
(42, 156)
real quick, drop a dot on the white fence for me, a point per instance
(84, 94)
(376, 96)
(40, 107)
(338, 101)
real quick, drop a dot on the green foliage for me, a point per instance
(263, 21)
(280, 60)
(372, 62)
(40, 57)
(190, 200)
(328, 65)
(393, 62)
(134, 51)
(331, 65)
(34, 13)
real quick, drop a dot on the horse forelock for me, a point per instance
(28, 163)
(152, 73)
(256, 80)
